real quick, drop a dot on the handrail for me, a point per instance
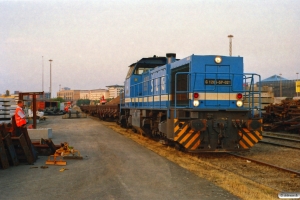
(134, 87)
(251, 92)
(248, 78)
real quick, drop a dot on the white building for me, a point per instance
(114, 90)
(84, 94)
(96, 94)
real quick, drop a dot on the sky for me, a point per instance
(93, 42)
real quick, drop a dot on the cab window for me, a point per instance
(130, 71)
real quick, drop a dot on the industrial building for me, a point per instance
(281, 86)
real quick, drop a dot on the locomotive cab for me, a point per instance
(136, 76)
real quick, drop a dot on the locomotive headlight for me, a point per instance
(218, 59)
(239, 103)
(196, 103)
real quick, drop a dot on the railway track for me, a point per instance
(282, 135)
(266, 164)
(255, 170)
(281, 141)
(287, 175)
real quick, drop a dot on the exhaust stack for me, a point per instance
(171, 57)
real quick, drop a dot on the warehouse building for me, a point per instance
(281, 86)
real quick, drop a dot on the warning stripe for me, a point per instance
(179, 130)
(253, 138)
(244, 139)
(194, 138)
(176, 122)
(257, 134)
(249, 137)
(182, 134)
(241, 143)
(196, 144)
(185, 136)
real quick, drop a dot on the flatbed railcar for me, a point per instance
(196, 103)
(106, 112)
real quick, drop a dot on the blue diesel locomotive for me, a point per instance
(199, 103)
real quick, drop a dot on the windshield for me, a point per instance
(144, 65)
(130, 71)
(141, 70)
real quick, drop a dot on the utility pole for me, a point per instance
(230, 44)
(43, 73)
(50, 79)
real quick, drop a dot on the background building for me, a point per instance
(69, 95)
(281, 87)
(94, 94)
(74, 95)
(114, 90)
(84, 94)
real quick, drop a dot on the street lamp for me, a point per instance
(43, 73)
(230, 44)
(296, 83)
(280, 86)
(50, 79)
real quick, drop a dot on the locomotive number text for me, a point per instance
(217, 81)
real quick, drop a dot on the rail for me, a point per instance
(266, 164)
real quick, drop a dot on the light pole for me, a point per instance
(230, 44)
(296, 82)
(280, 86)
(50, 79)
(43, 73)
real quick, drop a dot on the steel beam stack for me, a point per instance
(283, 117)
